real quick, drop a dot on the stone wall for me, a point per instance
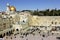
(44, 20)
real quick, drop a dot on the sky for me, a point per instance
(30, 4)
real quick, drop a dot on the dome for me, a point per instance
(12, 8)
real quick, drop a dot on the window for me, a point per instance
(4, 23)
(43, 35)
(10, 16)
(11, 37)
(23, 21)
(7, 33)
(10, 26)
(4, 34)
(17, 30)
(55, 22)
(52, 22)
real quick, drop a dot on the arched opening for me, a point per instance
(1, 36)
(23, 21)
(17, 29)
(7, 33)
(43, 35)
